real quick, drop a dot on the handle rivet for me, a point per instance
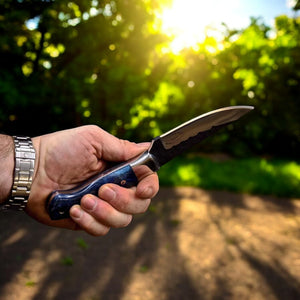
(123, 182)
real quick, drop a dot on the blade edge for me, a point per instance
(163, 147)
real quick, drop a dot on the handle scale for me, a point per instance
(60, 201)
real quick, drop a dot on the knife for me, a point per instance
(162, 149)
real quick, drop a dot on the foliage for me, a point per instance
(249, 175)
(67, 261)
(82, 243)
(30, 283)
(69, 63)
(79, 65)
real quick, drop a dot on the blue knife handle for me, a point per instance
(60, 201)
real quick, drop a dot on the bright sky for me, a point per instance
(187, 19)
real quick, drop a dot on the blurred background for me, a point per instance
(137, 68)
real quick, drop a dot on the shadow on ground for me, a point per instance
(191, 244)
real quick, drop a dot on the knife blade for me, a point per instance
(162, 149)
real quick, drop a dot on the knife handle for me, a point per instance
(60, 201)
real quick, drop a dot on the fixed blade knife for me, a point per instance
(162, 149)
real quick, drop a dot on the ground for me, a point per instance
(191, 244)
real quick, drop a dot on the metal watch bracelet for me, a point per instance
(23, 173)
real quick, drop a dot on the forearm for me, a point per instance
(6, 166)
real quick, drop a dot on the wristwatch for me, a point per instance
(23, 173)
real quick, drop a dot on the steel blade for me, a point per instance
(183, 137)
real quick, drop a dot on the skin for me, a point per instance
(66, 158)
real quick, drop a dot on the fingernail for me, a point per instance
(76, 212)
(107, 193)
(147, 192)
(88, 203)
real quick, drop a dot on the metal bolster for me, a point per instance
(146, 159)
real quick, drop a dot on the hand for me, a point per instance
(66, 158)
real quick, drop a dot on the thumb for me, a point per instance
(114, 149)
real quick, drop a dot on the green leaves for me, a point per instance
(106, 63)
(252, 175)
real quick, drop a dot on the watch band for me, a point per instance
(23, 173)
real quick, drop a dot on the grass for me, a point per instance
(67, 261)
(252, 175)
(30, 283)
(81, 243)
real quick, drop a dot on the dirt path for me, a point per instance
(192, 244)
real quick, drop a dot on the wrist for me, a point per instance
(23, 168)
(7, 166)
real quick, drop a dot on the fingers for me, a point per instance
(124, 200)
(114, 207)
(87, 222)
(96, 216)
(148, 187)
(134, 200)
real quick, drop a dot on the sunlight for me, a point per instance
(188, 22)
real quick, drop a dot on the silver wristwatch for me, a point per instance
(23, 173)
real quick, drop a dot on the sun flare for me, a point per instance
(188, 22)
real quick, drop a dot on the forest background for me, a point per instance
(71, 63)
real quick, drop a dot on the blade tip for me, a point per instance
(248, 107)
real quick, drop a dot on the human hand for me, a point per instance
(66, 158)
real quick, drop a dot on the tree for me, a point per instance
(83, 61)
(67, 63)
